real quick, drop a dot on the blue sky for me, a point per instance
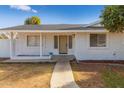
(56, 14)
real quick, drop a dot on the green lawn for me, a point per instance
(113, 78)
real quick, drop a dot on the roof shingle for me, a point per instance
(54, 27)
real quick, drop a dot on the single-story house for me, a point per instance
(85, 42)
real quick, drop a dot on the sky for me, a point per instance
(12, 15)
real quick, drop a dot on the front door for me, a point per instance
(63, 44)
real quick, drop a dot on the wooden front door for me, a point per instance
(63, 44)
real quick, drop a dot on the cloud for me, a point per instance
(35, 11)
(23, 8)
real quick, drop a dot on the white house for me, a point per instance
(85, 42)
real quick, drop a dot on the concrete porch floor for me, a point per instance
(33, 59)
(27, 60)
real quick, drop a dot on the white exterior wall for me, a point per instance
(47, 45)
(21, 45)
(115, 45)
(81, 48)
(4, 48)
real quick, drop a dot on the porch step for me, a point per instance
(63, 57)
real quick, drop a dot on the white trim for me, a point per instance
(11, 45)
(89, 47)
(41, 49)
(31, 57)
(15, 35)
(2, 35)
(53, 31)
(7, 34)
(68, 50)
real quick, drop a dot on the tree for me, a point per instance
(34, 20)
(27, 21)
(112, 18)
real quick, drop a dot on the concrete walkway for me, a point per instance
(62, 76)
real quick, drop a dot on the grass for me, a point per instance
(98, 75)
(26, 75)
(113, 79)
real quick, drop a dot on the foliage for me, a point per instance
(112, 18)
(34, 20)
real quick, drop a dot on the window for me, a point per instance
(70, 42)
(55, 42)
(97, 40)
(33, 40)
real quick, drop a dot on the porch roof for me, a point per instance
(52, 27)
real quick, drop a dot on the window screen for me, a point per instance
(97, 40)
(33, 40)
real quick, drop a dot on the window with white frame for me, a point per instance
(33, 40)
(97, 40)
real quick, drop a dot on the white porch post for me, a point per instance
(41, 51)
(11, 45)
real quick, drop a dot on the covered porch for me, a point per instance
(21, 49)
(40, 45)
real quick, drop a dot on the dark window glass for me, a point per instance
(70, 42)
(55, 42)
